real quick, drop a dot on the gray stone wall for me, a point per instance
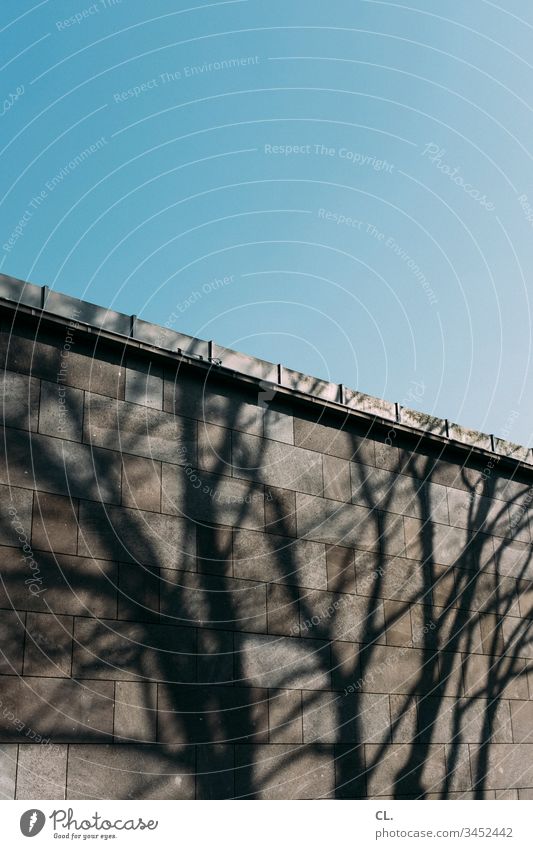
(207, 594)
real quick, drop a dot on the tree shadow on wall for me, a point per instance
(398, 616)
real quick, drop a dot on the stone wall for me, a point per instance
(210, 590)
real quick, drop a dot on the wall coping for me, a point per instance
(47, 302)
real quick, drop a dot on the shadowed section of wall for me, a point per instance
(209, 590)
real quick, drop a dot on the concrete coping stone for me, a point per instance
(311, 385)
(13, 289)
(370, 404)
(87, 313)
(170, 340)
(510, 449)
(469, 437)
(246, 364)
(40, 297)
(423, 421)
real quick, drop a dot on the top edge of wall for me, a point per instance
(40, 297)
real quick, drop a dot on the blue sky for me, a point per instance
(344, 187)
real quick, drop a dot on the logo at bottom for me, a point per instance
(32, 822)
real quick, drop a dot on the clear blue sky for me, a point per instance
(361, 173)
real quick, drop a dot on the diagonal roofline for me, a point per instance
(21, 296)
